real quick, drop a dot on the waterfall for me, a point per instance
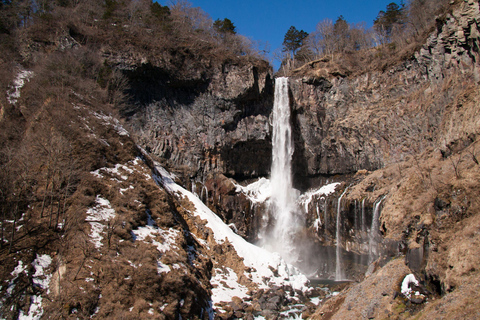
(355, 212)
(283, 197)
(364, 223)
(338, 265)
(325, 221)
(374, 231)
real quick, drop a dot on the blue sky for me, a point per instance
(269, 20)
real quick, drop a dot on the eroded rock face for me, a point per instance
(215, 120)
(377, 297)
(344, 124)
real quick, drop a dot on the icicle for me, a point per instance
(194, 188)
(318, 222)
(364, 223)
(355, 213)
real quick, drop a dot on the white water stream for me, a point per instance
(283, 196)
(339, 273)
(374, 236)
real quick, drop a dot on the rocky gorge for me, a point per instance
(382, 132)
(385, 162)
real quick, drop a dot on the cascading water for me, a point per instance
(283, 196)
(325, 221)
(364, 222)
(374, 236)
(339, 274)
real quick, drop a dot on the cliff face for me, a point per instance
(414, 127)
(367, 122)
(215, 120)
(125, 243)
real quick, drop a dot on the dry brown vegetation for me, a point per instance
(42, 154)
(60, 130)
(377, 51)
(56, 134)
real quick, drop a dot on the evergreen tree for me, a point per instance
(110, 7)
(340, 26)
(159, 11)
(386, 20)
(341, 33)
(293, 40)
(224, 26)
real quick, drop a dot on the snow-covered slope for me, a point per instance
(261, 262)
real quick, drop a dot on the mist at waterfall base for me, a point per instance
(320, 254)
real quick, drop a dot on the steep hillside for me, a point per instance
(88, 227)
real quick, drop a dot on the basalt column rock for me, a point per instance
(213, 120)
(345, 123)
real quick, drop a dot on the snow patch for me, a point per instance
(97, 216)
(163, 239)
(15, 273)
(14, 93)
(35, 311)
(42, 280)
(120, 170)
(18, 269)
(315, 300)
(407, 281)
(225, 286)
(122, 190)
(112, 121)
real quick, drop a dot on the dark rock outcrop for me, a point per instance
(213, 120)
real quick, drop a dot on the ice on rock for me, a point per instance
(326, 190)
(257, 192)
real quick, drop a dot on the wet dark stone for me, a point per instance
(417, 300)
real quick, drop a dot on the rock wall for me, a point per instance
(344, 124)
(215, 120)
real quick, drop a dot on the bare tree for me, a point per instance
(16, 188)
(456, 165)
(321, 42)
(473, 154)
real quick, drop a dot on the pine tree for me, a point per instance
(341, 34)
(293, 40)
(224, 26)
(386, 20)
(159, 11)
